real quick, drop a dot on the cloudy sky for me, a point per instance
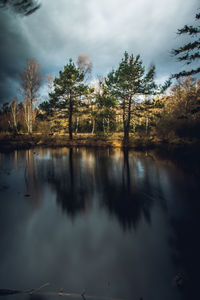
(103, 29)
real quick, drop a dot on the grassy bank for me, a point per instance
(25, 141)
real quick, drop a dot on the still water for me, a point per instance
(113, 223)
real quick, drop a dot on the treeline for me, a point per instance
(176, 114)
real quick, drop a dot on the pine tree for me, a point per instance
(68, 89)
(127, 81)
(189, 52)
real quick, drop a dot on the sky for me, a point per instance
(102, 29)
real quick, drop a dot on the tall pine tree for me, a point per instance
(68, 89)
(127, 81)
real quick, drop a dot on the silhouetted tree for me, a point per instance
(5, 117)
(24, 7)
(189, 52)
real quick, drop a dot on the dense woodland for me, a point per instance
(126, 101)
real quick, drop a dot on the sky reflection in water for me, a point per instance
(118, 224)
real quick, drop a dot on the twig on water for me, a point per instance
(83, 295)
(36, 290)
(4, 292)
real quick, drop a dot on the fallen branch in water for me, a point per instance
(4, 292)
(36, 290)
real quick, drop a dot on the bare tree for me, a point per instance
(26, 107)
(84, 64)
(13, 110)
(30, 83)
(50, 82)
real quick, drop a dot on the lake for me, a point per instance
(112, 223)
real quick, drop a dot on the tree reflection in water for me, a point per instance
(126, 199)
(79, 178)
(73, 196)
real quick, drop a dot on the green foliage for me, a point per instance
(189, 52)
(69, 83)
(158, 102)
(127, 81)
(46, 107)
(105, 114)
(68, 90)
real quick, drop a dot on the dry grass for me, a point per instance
(23, 141)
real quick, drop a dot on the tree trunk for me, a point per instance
(13, 107)
(108, 124)
(126, 120)
(147, 124)
(31, 116)
(26, 105)
(15, 122)
(70, 118)
(77, 123)
(126, 135)
(93, 125)
(103, 125)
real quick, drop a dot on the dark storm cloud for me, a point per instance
(104, 30)
(13, 51)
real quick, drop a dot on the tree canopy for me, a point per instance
(68, 89)
(127, 81)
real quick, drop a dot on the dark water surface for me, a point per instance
(117, 224)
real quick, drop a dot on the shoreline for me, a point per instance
(178, 151)
(11, 142)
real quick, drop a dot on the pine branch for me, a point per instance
(186, 73)
(191, 30)
(187, 47)
(198, 16)
(23, 7)
(189, 58)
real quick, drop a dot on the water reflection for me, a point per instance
(33, 184)
(121, 183)
(184, 242)
(135, 223)
(127, 199)
(71, 185)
